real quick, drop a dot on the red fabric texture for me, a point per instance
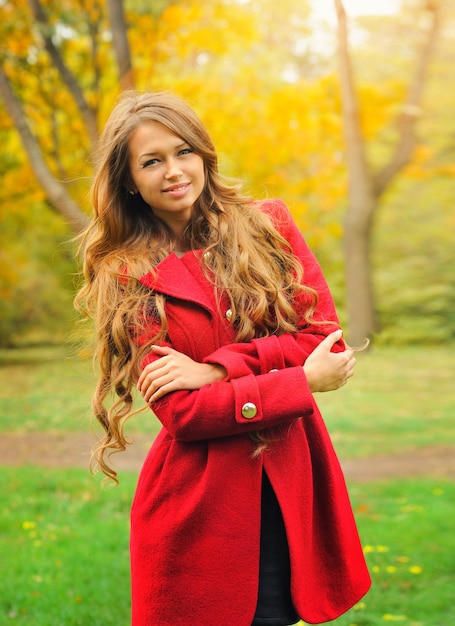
(195, 519)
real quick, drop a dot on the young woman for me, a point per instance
(212, 305)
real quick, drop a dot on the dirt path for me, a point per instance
(62, 450)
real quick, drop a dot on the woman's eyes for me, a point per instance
(150, 162)
(183, 152)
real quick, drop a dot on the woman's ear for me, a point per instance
(130, 186)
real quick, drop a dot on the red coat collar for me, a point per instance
(175, 277)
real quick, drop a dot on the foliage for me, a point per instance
(270, 99)
(416, 282)
(38, 267)
(413, 254)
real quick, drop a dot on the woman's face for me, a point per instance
(167, 173)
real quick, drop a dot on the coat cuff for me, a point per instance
(248, 405)
(267, 399)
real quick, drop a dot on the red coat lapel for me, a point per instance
(173, 278)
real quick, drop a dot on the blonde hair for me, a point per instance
(250, 261)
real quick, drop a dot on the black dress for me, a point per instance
(274, 607)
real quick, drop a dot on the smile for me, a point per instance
(177, 188)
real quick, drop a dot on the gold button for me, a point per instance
(249, 410)
(228, 315)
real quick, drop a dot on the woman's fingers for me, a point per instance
(326, 370)
(173, 371)
(156, 387)
(328, 342)
(149, 372)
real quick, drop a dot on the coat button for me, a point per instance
(228, 315)
(249, 410)
(271, 371)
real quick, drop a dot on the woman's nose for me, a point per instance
(172, 169)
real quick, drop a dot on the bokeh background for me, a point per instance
(265, 77)
(345, 110)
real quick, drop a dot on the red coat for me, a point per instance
(195, 519)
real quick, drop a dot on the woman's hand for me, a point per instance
(174, 371)
(326, 370)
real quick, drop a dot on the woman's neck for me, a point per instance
(179, 253)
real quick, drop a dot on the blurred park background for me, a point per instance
(270, 83)
(348, 116)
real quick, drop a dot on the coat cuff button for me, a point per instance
(249, 410)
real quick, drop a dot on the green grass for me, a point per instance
(406, 528)
(44, 389)
(64, 547)
(50, 389)
(399, 399)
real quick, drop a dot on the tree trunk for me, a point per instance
(120, 44)
(57, 194)
(365, 187)
(361, 203)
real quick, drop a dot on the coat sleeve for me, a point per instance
(287, 350)
(231, 407)
(234, 407)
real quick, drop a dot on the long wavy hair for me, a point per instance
(249, 260)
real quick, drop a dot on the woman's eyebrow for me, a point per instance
(153, 153)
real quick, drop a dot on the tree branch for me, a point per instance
(120, 43)
(56, 193)
(407, 119)
(67, 76)
(94, 28)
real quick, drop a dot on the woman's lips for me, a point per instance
(176, 191)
